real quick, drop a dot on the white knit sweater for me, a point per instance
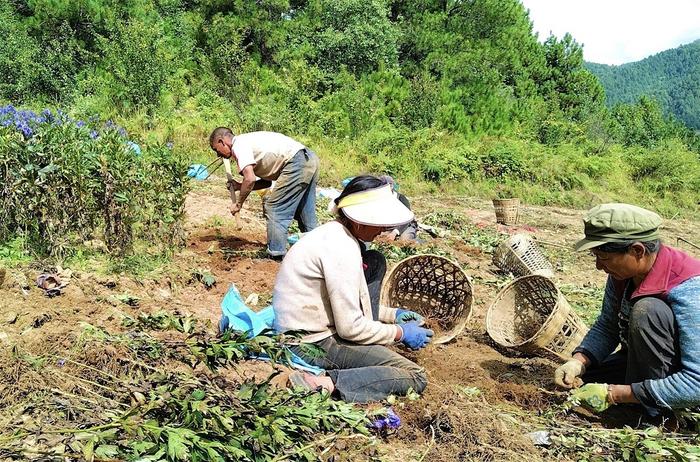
(321, 289)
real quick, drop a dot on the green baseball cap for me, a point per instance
(618, 223)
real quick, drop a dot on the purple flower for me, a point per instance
(389, 422)
(93, 134)
(169, 145)
(61, 362)
(80, 124)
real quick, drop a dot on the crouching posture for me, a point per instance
(651, 309)
(328, 286)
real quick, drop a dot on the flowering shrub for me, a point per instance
(64, 181)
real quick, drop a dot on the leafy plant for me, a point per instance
(162, 320)
(205, 277)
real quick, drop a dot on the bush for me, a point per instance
(65, 181)
(225, 38)
(503, 160)
(670, 168)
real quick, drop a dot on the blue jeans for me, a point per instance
(294, 197)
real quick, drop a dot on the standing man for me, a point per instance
(273, 157)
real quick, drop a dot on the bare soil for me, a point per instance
(445, 424)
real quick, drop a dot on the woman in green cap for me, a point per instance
(651, 309)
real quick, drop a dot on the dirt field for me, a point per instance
(482, 400)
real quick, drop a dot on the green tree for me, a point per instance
(567, 84)
(356, 34)
(640, 124)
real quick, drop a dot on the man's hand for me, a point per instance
(235, 208)
(231, 183)
(565, 376)
(592, 396)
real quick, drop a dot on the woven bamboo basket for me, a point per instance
(531, 315)
(434, 287)
(521, 256)
(507, 210)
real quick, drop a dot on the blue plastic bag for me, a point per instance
(237, 316)
(198, 172)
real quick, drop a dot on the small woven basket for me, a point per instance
(521, 256)
(506, 210)
(434, 287)
(531, 315)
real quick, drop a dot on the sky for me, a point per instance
(618, 31)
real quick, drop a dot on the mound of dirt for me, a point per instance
(458, 427)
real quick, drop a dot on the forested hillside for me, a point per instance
(434, 92)
(672, 77)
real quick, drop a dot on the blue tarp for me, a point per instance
(236, 315)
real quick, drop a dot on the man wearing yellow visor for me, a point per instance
(328, 286)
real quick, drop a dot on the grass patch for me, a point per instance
(14, 254)
(586, 300)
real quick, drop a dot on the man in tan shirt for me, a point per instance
(274, 157)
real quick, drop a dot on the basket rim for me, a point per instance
(506, 248)
(510, 199)
(499, 297)
(461, 324)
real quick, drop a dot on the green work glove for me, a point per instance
(404, 316)
(593, 396)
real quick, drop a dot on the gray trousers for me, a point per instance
(652, 351)
(363, 373)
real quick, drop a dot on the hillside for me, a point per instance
(672, 77)
(114, 262)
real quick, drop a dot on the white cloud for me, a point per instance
(618, 31)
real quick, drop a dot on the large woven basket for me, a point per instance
(507, 210)
(521, 256)
(435, 287)
(531, 315)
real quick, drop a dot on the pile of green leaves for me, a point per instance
(627, 444)
(192, 420)
(162, 320)
(148, 412)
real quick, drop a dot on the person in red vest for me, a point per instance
(651, 309)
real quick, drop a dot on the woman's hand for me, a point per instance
(414, 336)
(404, 316)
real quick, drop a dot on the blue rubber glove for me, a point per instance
(414, 336)
(404, 316)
